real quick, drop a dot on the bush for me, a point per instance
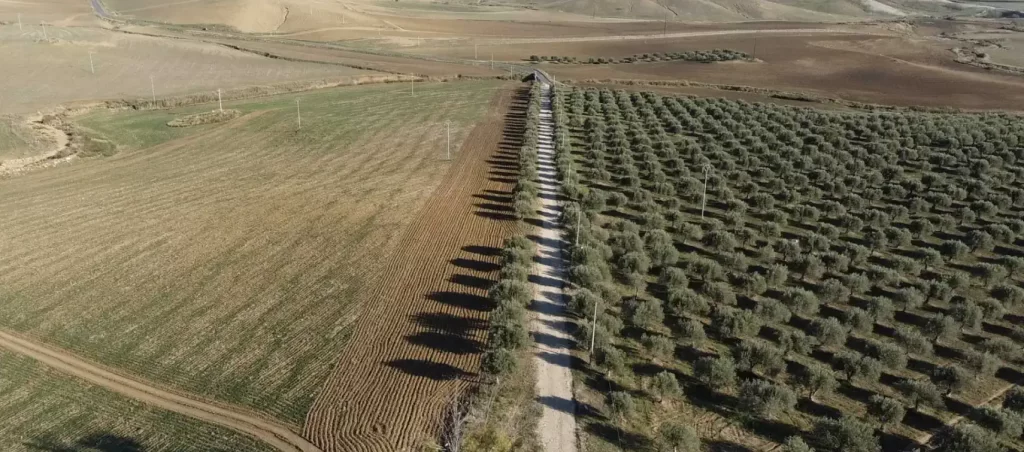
(845, 435)
(498, 362)
(679, 437)
(764, 399)
(715, 372)
(885, 411)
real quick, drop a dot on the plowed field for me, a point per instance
(420, 335)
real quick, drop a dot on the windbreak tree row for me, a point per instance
(836, 280)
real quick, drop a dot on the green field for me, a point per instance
(45, 410)
(226, 260)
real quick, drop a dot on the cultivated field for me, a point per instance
(41, 74)
(855, 266)
(228, 260)
(47, 411)
(420, 335)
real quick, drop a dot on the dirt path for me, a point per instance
(925, 437)
(270, 432)
(677, 35)
(421, 332)
(550, 326)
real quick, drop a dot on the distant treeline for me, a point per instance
(703, 56)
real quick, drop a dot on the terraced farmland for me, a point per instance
(227, 260)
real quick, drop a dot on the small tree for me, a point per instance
(886, 411)
(665, 386)
(715, 372)
(644, 314)
(829, 332)
(1000, 420)
(498, 362)
(795, 341)
(913, 342)
(620, 404)
(660, 346)
(816, 379)
(921, 392)
(939, 327)
(1014, 400)
(951, 378)
(764, 399)
(845, 435)
(954, 250)
(966, 437)
(679, 437)
(795, 444)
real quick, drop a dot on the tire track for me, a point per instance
(420, 334)
(270, 432)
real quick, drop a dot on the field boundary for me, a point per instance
(270, 432)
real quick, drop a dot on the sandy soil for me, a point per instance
(553, 356)
(39, 74)
(419, 336)
(272, 433)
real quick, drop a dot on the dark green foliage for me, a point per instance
(732, 322)
(885, 411)
(816, 379)
(763, 399)
(829, 332)
(845, 435)
(921, 392)
(951, 378)
(679, 437)
(644, 314)
(498, 362)
(1014, 400)
(967, 437)
(620, 404)
(715, 372)
(756, 354)
(1005, 422)
(795, 444)
(665, 386)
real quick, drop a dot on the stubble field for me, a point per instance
(228, 262)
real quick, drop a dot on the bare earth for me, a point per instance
(270, 432)
(550, 327)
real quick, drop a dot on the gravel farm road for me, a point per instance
(270, 432)
(557, 427)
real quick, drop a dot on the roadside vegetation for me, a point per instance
(503, 413)
(700, 56)
(763, 274)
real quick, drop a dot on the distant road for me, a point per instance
(270, 432)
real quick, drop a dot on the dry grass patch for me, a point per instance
(210, 117)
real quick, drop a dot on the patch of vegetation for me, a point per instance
(700, 56)
(48, 411)
(837, 280)
(209, 117)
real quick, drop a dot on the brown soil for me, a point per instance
(420, 335)
(874, 69)
(271, 432)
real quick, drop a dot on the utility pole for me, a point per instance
(492, 60)
(19, 23)
(412, 84)
(579, 222)
(152, 88)
(707, 171)
(220, 104)
(45, 37)
(474, 51)
(755, 45)
(593, 331)
(665, 30)
(91, 67)
(448, 153)
(298, 114)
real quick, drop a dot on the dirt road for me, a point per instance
(550, 326)
(270, 432)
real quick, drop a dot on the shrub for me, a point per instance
(845, 435)
(885, 411)
(763, 399)
(715, 372)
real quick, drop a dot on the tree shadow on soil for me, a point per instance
(448, 343)
(429, 369)
(102, 442)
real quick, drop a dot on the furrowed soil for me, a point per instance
(420, 335)
(227, 260)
